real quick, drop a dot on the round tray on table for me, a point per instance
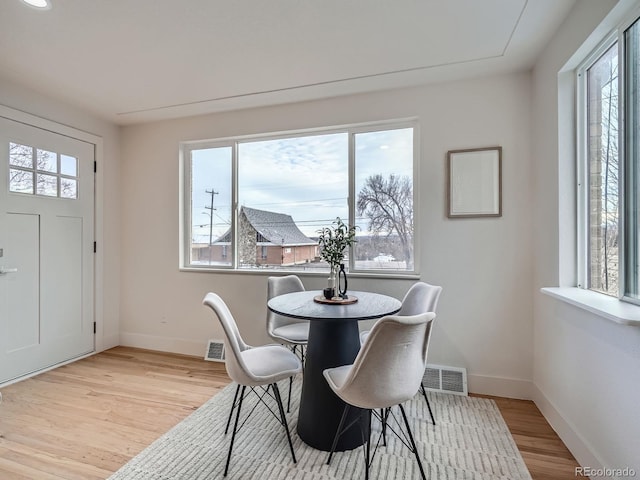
(336, 300)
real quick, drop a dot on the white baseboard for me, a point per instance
(567, 432)
(164, 344)
(47, 369)
(107, 342)
(500, 386)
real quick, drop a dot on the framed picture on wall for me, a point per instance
(474, 182)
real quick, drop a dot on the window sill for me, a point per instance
(258, 271)
(597, 303)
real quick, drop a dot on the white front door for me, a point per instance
(46, 248)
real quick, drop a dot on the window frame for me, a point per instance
(185, 219)
(35, 172)
(617, 36)
(582, 155)
(624, 180)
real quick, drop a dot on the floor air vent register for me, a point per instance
(215, 351)
(440, 378)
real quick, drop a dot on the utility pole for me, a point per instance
(213, 193)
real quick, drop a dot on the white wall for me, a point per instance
(107, 198)
(586, 368)
(484, 265)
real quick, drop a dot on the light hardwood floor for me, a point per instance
(85, 420)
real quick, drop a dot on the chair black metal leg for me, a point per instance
(289, 399)
(368, 448)
(294, 349)
(235, 429)
(413, 443)
(338, 432)
(233, 405)
(276, 391)
(384, 414)
(424, 394)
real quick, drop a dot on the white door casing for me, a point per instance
(46, 243)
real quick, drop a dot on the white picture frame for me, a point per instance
(474, 182)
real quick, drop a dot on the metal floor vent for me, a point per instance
(215, 351)
(439, 378)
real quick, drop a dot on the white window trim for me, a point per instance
(352, 129)
(604, 306)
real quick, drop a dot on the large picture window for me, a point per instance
(258, 202)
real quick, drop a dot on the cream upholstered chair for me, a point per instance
(420, 298)
(386, 372)
(252, 367)
(286, 330)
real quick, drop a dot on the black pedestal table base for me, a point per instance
(331, 344)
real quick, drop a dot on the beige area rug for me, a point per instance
(470, 442)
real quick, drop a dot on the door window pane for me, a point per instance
(211, 203)
(68, 165)
(47, 161)
(68, 188)
(47, 185)
(384, 200)
(20, 181)
(20, 155)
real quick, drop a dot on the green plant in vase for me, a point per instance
(333, 242)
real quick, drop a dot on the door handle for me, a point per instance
(4, 271)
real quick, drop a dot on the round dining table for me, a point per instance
(334, 340)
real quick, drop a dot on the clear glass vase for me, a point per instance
(332, 282)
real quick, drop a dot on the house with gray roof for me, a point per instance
(266, 238)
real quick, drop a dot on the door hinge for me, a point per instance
(95, 247)
(94, 327)
(95, 166)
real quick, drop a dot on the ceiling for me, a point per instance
(132, 61)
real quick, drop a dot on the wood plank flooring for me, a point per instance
(85, 420)
(546, 457)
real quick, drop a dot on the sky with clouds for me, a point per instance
(305, 177)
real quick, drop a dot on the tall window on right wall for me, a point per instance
(609, 166)
(603, 171)
(632, 160)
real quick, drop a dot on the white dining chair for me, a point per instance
(386, 372)
(287, 330)
(420, 298)
(252, 367)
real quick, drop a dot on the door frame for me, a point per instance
(98, 210)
